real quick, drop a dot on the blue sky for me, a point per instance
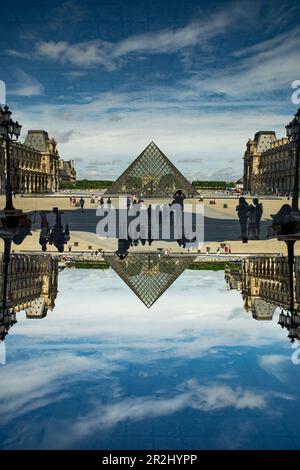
(201, 374)
(106, 78)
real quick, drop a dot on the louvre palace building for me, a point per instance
(269, 164)
(36, 166)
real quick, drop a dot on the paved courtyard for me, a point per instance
(220, 225)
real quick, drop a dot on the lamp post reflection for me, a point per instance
(9, 130)
(286, 225)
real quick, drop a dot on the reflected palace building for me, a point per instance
(264, 284)
(269, 164)
(32, 284)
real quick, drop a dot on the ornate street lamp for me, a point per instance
(290, 321)
(286, 225)
(9, 130)
(7, 320)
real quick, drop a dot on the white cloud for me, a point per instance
(275, 364)
(83, 54)
(190, 394)
(199, 32)
(26, 85)
(34, 383)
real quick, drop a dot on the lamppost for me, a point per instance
(286, 224)
(9, 130)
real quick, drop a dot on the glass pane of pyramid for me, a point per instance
(149, 275)
(151, 174)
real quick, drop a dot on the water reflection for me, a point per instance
(31, 285)
(149, 275)
(265, 284)
(102, 371)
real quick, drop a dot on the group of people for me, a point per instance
(100, 200)
(80, 203)
(57, 236)
(75, 203)
(249, 217)
(125, 244)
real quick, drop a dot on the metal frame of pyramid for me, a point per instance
(151, 174)
(149, 275)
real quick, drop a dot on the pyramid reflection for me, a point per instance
(149, 275)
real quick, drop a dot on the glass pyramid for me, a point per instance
(149, 275)
(151, 174)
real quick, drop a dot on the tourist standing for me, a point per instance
(258, 215)
(81, 203)
(242, 212)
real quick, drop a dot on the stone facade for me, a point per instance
(34, 164)
(31, 286)
(67, 172)
(263, 283)
(269, 164)
(32, 281)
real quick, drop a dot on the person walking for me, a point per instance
(242, 211)
(258, 215)
(81, 203)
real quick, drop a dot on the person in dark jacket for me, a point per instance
(81, 203)
(242, 212)
(258, 214)
(58, 236)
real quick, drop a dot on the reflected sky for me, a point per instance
(101, 371)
